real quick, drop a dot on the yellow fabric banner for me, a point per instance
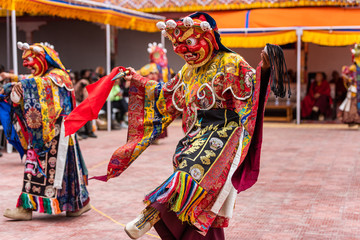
(216, 5)
(333, 38)
(258, 40)
(128, 20)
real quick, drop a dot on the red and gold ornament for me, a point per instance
(193, 39)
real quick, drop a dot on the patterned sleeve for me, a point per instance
(150, 112)
(252, 79)
(7, 89)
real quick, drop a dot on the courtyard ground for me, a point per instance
(308, 188)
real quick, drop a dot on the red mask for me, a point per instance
(35, 62)
(158, 56)
(192, 41)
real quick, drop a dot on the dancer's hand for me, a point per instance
(18, 89)
(5, 75)
(129, 76)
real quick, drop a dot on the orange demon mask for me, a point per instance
(34, 58)
(39, 57)
(193, 38)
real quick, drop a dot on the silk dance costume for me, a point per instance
(221, 100)
(55, 174)
(350, 108)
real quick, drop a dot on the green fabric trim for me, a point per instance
(47, 205)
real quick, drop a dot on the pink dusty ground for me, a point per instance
(308, 188)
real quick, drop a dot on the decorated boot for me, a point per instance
(81, 211)
(18, 213)
(142, 223)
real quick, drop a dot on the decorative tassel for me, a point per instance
(39, 204)
(278, 69)
(181, 192)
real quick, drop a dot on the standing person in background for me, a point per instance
(97, 74)
(158, 56)
(317, 103)
(340, 89)
(80, 94)
(55, 174)
(350, 108)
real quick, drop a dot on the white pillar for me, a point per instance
(9, 147)
(108, 66)
(14, 45)
(299, 32)
(8, 39)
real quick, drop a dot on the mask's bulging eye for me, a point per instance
(177, 32)
(191, 41)
(30, 59)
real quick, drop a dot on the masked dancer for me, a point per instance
(55, 174)
(221, 100)
(350, 108)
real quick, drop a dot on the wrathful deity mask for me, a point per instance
(157, 54)
(193, 38)
(34, 59)
(39, 57)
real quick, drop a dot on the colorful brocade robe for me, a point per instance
(219, 105)
(55, 174)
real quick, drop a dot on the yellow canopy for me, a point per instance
(258, 40)
(331, 38)
(87, 10)
(216, 5)
(320, 26)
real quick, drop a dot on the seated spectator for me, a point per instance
(99, 73)
(340, 90)
(86, 74)
(316, 104)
